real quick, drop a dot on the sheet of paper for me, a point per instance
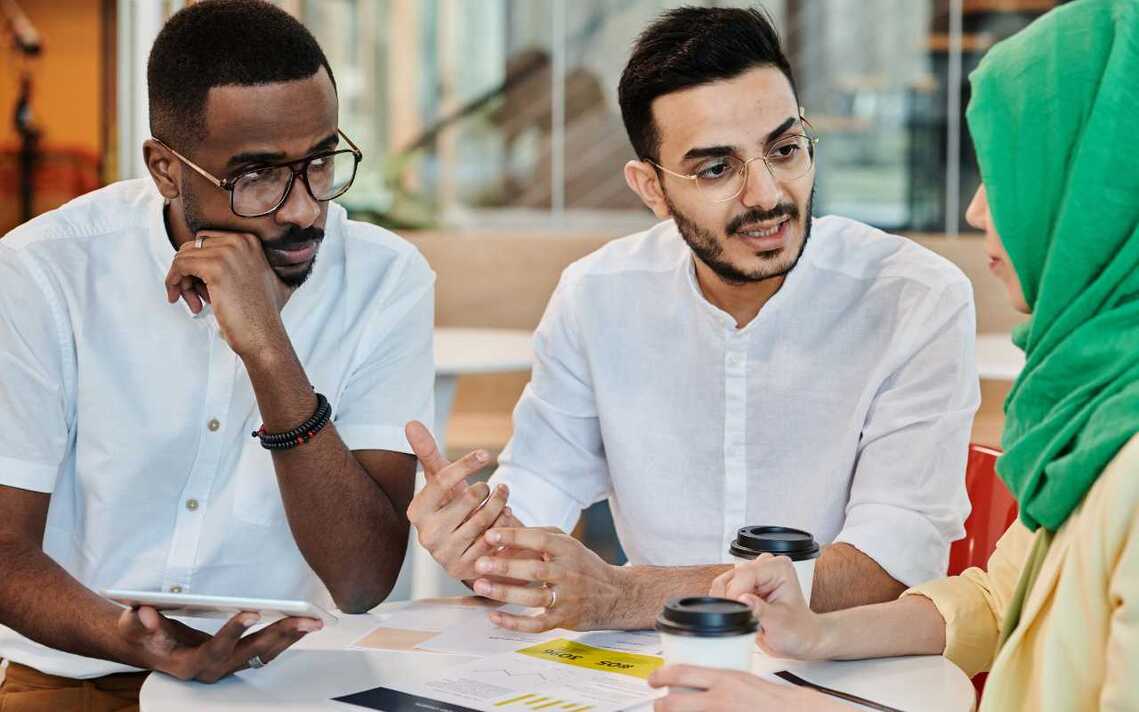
(409, 626)
(644, 642)
(482, 637)
(557, 674)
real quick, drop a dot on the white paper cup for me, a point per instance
(795, 544)
(705, 631)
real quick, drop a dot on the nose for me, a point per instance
(761, 190)
(299, 208)
(977, 212)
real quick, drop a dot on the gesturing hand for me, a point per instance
(229, 271)
(186, 653)
(450, 516)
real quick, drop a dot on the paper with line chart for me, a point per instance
(555, 676)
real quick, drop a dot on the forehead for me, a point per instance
(736, 112)
(286, 117)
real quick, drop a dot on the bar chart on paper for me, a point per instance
(534, 701)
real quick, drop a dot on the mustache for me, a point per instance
(294, 237)
(756, 215)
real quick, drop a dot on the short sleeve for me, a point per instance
(36, 367)
(392, 382)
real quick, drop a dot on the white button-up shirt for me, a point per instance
(136, 416)
(844, 408)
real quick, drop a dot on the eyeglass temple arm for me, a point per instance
(200, 171)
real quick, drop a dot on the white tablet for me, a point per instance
(196, 606)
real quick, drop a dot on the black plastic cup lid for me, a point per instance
(706, 617)
(795, 544)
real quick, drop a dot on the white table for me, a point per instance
(320, 668)
(458, 352)
(997, 358)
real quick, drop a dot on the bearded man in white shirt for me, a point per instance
(126, 460)
(740, 363)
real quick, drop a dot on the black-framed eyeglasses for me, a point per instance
(262, 190)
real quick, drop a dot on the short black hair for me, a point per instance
(689, 46)
(222, 43)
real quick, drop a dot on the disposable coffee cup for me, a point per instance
(711, 632)
(795, 544)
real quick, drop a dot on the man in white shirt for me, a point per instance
(126, 458)
(738, 364)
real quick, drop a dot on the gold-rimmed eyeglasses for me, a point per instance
(262, 190)
(722, 178)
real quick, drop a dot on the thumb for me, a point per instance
(423, 445)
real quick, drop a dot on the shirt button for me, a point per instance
(734, 359)
(192, 504)
(213, 425)
(175, 589)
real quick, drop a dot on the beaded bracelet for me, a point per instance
(302, 433)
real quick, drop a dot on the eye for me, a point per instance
(714, 171)
(785, 151)
(256, 176)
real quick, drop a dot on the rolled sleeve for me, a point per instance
(393, 380)
(973, 603)
(36, 378)
(555, 463)
(907, 500)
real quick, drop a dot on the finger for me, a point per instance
(529, 596)
(524, 624)
(219, 648)
(438, 492)
(271, 641)
(470, 532)
(719, 587)
(761, 577)
(544, 540)
(424, 447)
(686, 676)
(451, 516)
(508, 520)
(130, 624)
(535, 570)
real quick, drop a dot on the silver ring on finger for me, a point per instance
(553, 596)
(256, 662)
(198, 242)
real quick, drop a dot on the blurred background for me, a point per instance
(493, 141)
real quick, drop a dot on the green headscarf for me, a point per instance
(1055, 120)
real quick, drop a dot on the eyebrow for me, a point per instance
(250, 157)
(718, 151)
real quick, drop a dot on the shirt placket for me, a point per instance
(194, 501)
(735, 437)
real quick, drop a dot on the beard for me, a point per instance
(293, 237)
(710, 250)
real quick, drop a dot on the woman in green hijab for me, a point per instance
(1054, 616)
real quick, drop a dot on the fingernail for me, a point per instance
(493, 537)
(482, 588)
(483, 566)
(310, 626)
(481, 456)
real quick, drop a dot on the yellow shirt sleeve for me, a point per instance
(973, 603)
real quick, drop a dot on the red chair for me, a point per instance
(994, 510)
